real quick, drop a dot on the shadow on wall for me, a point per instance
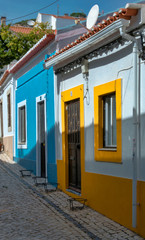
(109, 194)
(27, 157)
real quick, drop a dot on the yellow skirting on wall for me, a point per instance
(111, 196)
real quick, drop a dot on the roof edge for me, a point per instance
(31, 53)
(86, 44)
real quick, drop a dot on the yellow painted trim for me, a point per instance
(66, 96)
(111, 196)
(99, 91)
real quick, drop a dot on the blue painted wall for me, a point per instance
(34, 83)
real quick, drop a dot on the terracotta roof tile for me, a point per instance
(65, 17)
(122, 13)
(20, 29)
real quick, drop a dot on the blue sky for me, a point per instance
(16, 8)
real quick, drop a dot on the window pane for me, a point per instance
(22, 125)
(109, 120)
(114, 121)
(9, 109)
(1, 120)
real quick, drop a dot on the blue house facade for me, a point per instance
(35, 133)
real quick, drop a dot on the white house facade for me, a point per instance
(7, 104)
(100, 117)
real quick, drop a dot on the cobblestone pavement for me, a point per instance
(28, 212)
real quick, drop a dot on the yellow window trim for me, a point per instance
(107, 155)
(66, 96)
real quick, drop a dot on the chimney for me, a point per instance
(66, 14)
(3, 20)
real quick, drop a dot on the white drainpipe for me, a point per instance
(135, 123)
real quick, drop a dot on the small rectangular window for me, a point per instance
(9, 109)
(22, 125)
(109, 120)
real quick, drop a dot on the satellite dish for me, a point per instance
(92, 16)
(30, 22)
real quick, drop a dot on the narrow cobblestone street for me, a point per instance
(27, 212)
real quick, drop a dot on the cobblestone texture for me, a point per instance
(27, 212)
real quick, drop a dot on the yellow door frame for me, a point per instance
(67, 96)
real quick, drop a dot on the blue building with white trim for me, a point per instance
(34, 112)
(34, 142)
(35, 139)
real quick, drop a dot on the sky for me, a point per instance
(15, 8)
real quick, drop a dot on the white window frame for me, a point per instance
(19, 105)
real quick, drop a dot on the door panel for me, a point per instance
(41, 136)
(73, 136)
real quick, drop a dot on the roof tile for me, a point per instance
(65, 17)
(122, 13)
(20, 29)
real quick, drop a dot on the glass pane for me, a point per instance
(9, 109)
(22, 125)
(19, 125)
(114, 121)
(23, 135)
(109, 120)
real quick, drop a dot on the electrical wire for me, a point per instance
(9, 20)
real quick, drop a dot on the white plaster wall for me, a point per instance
(108, 67)
(49, 19)
(46, 18)
(58, 129)
(141, 168)
(5, 110)
(39, 18)
(53, 23)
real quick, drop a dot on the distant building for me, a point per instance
(56, 22)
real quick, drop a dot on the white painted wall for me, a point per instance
(55, 23)
(3, 96)
(102, 69)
